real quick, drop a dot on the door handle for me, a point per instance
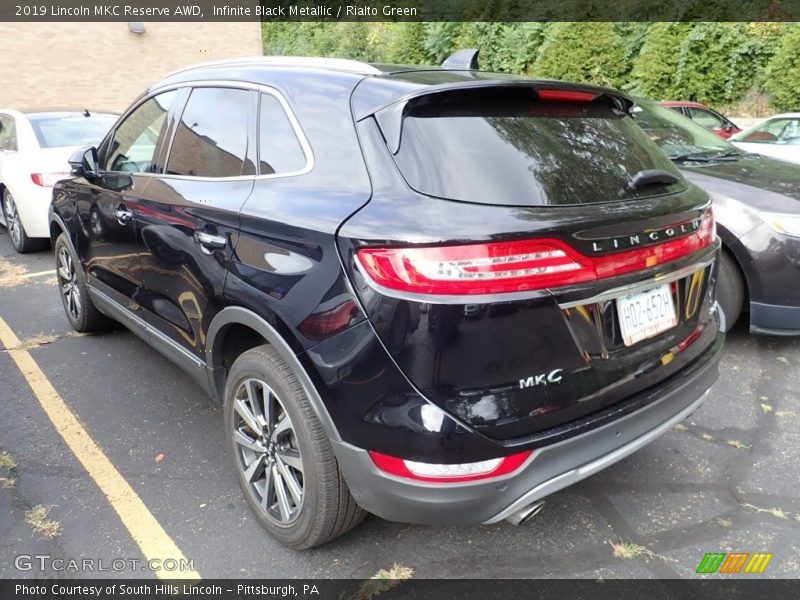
(123, 215)
(209, 241)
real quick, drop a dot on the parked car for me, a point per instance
(705, 117)
(34, 152)
(778, 137)
(758, 219)
(305, 236)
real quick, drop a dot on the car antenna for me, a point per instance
(86, 112)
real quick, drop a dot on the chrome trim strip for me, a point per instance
(641, 285)
(574, 475)
(333, 64)
(137, 324)
(242, 85)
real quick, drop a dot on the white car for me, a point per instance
(778, 137)
(34, 152)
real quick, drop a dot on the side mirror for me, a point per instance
(83, 163)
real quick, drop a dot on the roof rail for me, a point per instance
(466, 59)
(333, 64)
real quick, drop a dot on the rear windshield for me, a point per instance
(55, 132)
(504, 146)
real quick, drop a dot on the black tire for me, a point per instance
(730, 292)
(16, 229)
(78, 306)
(263, 458)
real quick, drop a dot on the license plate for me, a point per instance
(646, 314)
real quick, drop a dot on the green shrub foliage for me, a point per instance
(717, 63)
(783, 72)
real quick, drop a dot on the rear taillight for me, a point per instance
(47, 179)
(504, 267)
(449, 473)
(566, 95)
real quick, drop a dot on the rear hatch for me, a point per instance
(529, 258)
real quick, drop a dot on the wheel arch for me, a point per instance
(736, 251)
(236, 329)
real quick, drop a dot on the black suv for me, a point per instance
(434, 294)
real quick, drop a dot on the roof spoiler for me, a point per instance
(390, 118)
(462, 60)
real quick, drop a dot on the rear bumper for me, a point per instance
(772, 319)
(550, 468)
(33, 203)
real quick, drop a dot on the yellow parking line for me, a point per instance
(146, 531)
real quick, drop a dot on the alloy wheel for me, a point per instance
(68, 283)
(267, 451)
(12, 220)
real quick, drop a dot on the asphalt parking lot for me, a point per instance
(727, 479)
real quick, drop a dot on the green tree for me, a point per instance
(582, 52)
(783, 72)
(654, 69)
(717, 63)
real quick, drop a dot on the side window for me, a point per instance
(8, 134)
(135, 142)
(279, 150)
(211, 138)
(706, 119)
(767, 132)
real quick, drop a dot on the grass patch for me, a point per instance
(383, 581)
(8, 482)
(38, 518)
(36, 341)
(737, 444)
(629, 551)
(774, 511)
(680, 427)
(767, 408)
(707, 437)
(7, 462)
(724, 522)
(11, 274)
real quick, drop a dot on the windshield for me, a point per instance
(72, 130)
(505, 146)
(678, 136)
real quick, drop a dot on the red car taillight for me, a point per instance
(502, 267)
(47, 179)
(451, 473)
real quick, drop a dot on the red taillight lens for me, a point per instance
(47, 179)
(452, 473)
(321, 325)
(566, 95)
(503, 267)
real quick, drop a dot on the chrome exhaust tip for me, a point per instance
(526, 513)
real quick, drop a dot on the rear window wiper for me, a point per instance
(649, 177)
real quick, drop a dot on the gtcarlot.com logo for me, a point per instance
(734, 562)
(45, 562)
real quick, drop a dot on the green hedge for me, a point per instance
(717, 63)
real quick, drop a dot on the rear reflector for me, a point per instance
(566, 95)
(47, 179)
(321, 325)
(455, 473)
(503, 267)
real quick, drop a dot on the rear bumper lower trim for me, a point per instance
(773, 319)
(551, 468)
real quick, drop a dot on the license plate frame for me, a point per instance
(643, 315)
